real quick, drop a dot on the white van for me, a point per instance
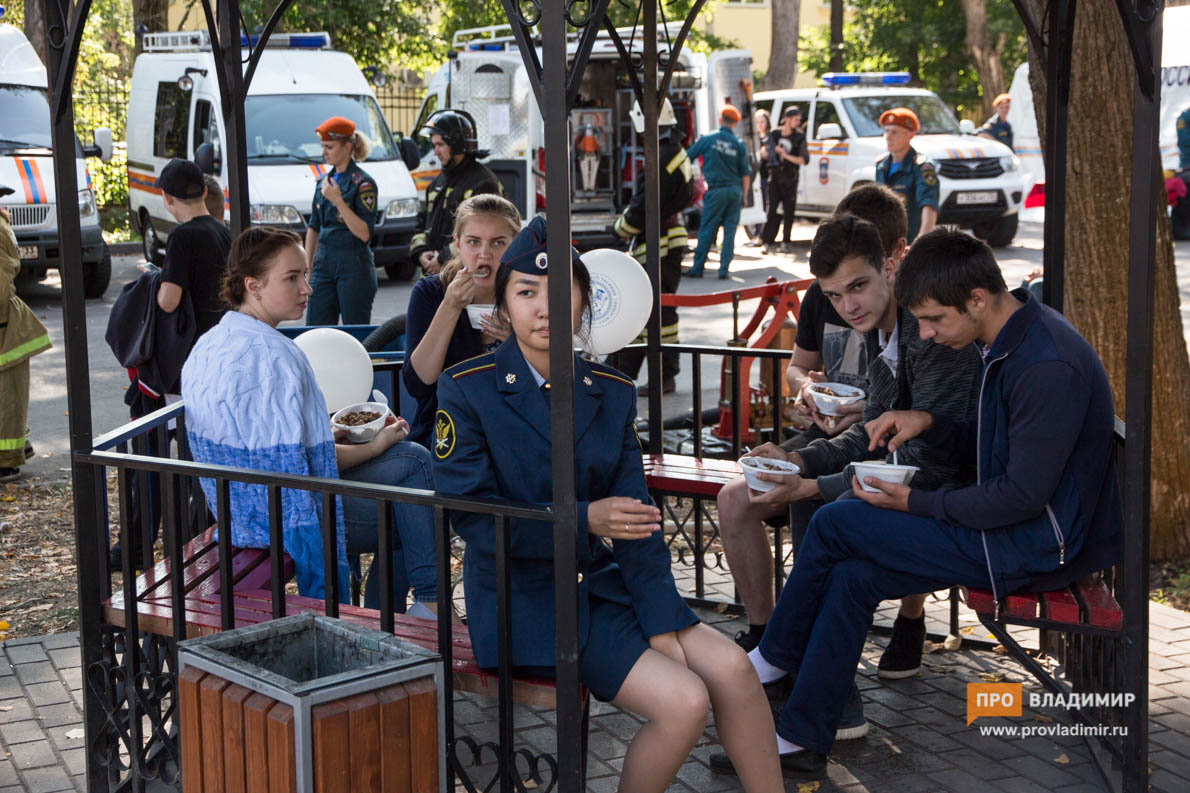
(486, 77)
(980, 180)
(27, 168)
(174, 108)
(1175, 98)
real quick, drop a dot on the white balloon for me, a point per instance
(621, 299)
(341, 366)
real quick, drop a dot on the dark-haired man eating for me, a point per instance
(1044, 511)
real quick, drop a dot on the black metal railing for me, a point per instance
(134, 682)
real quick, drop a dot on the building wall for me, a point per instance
(749, 25)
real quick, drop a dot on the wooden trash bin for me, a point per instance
(312, 704)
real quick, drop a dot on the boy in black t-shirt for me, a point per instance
(196, 254)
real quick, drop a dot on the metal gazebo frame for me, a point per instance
(555, 80)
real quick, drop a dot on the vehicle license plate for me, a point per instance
(27, 251)
(981, 197)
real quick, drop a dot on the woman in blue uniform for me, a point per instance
(640, 645)
(438, 331)
(342, 270)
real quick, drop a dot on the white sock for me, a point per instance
(419, 610)
(785, 747)
(766, 671)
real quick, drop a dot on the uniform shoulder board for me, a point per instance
(608, 373)
(480, 363)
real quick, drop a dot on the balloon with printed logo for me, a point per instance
(621, 299)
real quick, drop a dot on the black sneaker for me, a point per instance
(10, 474)
(902, 657)
(746, 640)
(853, 724)
(802, 763)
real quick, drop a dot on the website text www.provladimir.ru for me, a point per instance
(1007, 699)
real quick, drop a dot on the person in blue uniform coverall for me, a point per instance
(342, 270)
(641, 647)
(908, 173)
(997, 127)
(1184, 140)
(727, 172)
(1044, 511)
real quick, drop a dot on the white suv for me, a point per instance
(981, 181)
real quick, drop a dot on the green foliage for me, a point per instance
(923, 37)
(380, 33)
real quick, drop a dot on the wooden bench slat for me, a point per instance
(1060, 606)
(1022, 605)
(1102, 609)
(686, 475)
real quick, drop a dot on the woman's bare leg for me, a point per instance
(742, 716)
(674, 702)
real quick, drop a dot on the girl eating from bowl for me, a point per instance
(641, 647)
(252, 402)
(439, 330)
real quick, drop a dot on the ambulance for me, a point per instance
(981, 181)
(174, 108)
(486, 77)
(27, 168)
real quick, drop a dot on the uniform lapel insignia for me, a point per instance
(510, 378)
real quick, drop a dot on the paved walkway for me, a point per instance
(918, 741)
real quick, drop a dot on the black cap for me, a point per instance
(526, 254)
(792, 111)
(181, 179)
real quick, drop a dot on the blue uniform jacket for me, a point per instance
(1046, 497)
(915, 181)
(359, 191)
(1000, 130)
(491, 439)
(724, 158)
(1184, 139)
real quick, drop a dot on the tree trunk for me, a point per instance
(35, 26)
(1097, 201)
(153, 14)
(783, 53)
(837, 36)
(985, 56)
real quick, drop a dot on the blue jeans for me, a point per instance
(405, 464)
(344, 284)
(853, 557)
(720, 207)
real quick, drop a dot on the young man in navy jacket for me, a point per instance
(1044, 510)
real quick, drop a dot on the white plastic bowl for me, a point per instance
(829, 405)
(885, 472)
(477, 311)
(756, 465)
(361, 433)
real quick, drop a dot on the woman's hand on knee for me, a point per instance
(622, 518)
(668, 645)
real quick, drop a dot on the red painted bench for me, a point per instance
(682, 475)
(252, 599)
(1087, 604)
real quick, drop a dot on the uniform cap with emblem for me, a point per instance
(1001, 98)
(730, 113)
(181, 179)
(527, 253)
(335, 128)
(901, 117)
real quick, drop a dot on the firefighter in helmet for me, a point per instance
(452, 134)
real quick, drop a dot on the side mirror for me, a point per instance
(829, 132)
(967, 126)
(102, 146)
(410, 154)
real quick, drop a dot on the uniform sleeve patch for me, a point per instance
(444, 434)
(928, 174)
(367, 195)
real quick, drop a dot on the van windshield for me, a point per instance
(281, 127)
(24, 119)
(935, 117)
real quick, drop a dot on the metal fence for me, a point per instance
(400, 102)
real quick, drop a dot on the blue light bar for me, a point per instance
(839, 79)
(309, 41)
